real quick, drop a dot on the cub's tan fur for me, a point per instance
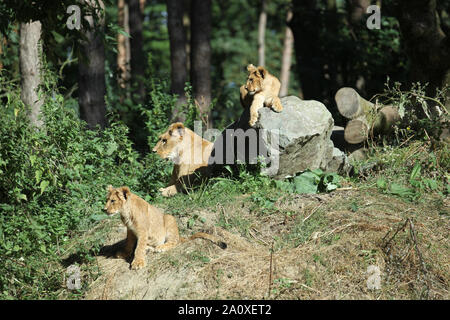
(146, 225)
(261, 89)
(188, 151)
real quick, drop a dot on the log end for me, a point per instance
(385, 120)
(348, 103)
(356, 131)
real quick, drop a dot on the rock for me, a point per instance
(339, 162)
(358, 155)
(296, 139)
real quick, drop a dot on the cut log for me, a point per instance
(351, 105)
(356, 131)
(385, 119)
(364, 117)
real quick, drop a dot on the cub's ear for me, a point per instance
(110, 188)
(262, 71)
(126, 192)
(177, 129)
(251, 68)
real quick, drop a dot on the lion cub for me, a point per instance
(261, 90)
(146, 225)
(187, 150)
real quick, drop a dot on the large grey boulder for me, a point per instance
(296, 139)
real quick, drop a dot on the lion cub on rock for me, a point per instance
(188, 151)
(261, 90)
(146, 225)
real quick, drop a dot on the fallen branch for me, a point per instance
(412, 232)
(413, 236)
(314, 211)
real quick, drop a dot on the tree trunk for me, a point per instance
(427, 45)
(201, 56)
(91, 71)
(2, 43)
(308, 48)
(142, 5)
(30, 66)
(287, 57)
(178, 72)
(123, 47)
(447, 83)
(261, 34)
(138, 63)
(187, 29)
(331, 5)
(358, 9)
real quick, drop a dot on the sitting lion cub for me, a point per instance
(146, 224)
(187, 150)
(261, 90)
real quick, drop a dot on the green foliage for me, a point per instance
(52, 187)
(53, 180)
(412, 171)
(415, 187)
(420, 114)
(310, 182)
(414, 160)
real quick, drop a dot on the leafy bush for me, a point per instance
(414, 161)
(52, 187)
(310, 182)
(420, 114)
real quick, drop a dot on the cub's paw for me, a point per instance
(252, 122)
(277, 106)
(138, 264)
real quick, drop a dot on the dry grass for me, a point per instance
(322, 247)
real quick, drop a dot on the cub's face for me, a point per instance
(255, 79)
(116, 199)
(167, 145)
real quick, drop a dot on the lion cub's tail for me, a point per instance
(206, 236)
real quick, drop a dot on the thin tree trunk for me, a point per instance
(201, 55)
(177, 38)
(30, 65)
(138, 62)
(261, 34)
(1, 50)
(287, 57)
(187, 29)
(447, 83)
(91, 71)
(142, 5)
(123, 47)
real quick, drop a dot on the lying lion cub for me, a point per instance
(261, 90)
(187, 150)
(146, 224)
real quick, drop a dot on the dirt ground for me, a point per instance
(331, 246)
